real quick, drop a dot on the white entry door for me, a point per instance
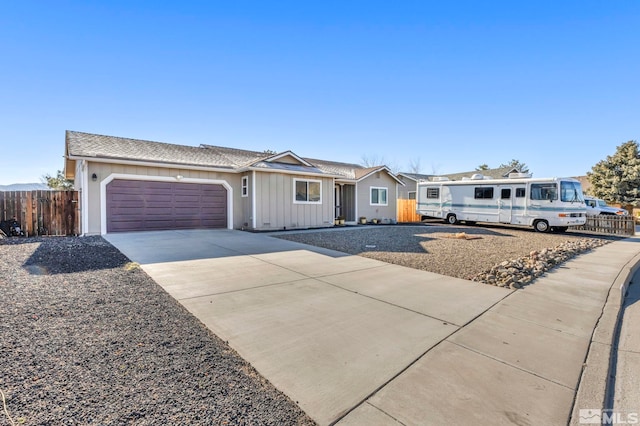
(505, 204)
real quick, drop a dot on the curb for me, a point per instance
(594, 386)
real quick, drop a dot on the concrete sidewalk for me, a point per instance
(625, 399)
(358, 341)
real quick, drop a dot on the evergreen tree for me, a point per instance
(617, 179)
(58, 182)
(515, 164)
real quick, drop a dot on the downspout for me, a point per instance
(84, 195)
(253, 200)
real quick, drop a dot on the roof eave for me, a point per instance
(379, 169)
(288, 172)
(165, 165)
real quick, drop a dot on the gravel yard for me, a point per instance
(456, 251)
(88, 338)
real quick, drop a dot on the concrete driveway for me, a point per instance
(326, 328)
(360, 341)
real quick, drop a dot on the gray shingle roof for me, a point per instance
(237, 157)
(346, 170)
(88, 145)
(81, 144)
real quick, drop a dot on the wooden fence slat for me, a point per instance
(609, 224)
(407, 211)
(42, 212)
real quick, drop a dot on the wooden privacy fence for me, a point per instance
(609, 224)
(42, 212)
(407, 211)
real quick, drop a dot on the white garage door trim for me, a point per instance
(113, 176)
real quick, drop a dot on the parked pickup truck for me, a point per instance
(596, 206)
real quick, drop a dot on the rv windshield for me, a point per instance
(571, 192)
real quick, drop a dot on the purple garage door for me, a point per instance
(136, 205)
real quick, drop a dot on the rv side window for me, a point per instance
(544, 191)
(505, 193)
(520, 192)
(484, 193)
(433, 192)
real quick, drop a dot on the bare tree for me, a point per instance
(414, 165)
(371, 160)
(374, 161)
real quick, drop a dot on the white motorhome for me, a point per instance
(546, 204)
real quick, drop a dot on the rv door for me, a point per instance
(505, 204)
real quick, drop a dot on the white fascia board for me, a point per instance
(288, 154)
(153, 164)
(383, 168)
(288, 172)
(345, 180)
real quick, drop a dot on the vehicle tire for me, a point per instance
(541, 226)
(452, 219)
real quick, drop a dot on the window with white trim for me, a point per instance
(378, 196)
(307, 191)
(245, 186)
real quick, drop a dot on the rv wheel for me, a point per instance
(452, 219)
(541, 226)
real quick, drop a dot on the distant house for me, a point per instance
(133, 185)
(410, 180)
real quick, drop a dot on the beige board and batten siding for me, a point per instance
(276, 207)
(409, 187)
(365, 208)
(105, 170)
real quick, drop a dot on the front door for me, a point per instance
(505, 204)
(345, 201)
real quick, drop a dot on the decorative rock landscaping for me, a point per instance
(503, 256)
(516, 273)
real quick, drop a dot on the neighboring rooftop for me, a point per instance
(499, 173)
(416, 176)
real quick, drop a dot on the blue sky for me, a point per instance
(448, 85)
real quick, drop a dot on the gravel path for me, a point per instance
(88, 338)
(435, 248)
